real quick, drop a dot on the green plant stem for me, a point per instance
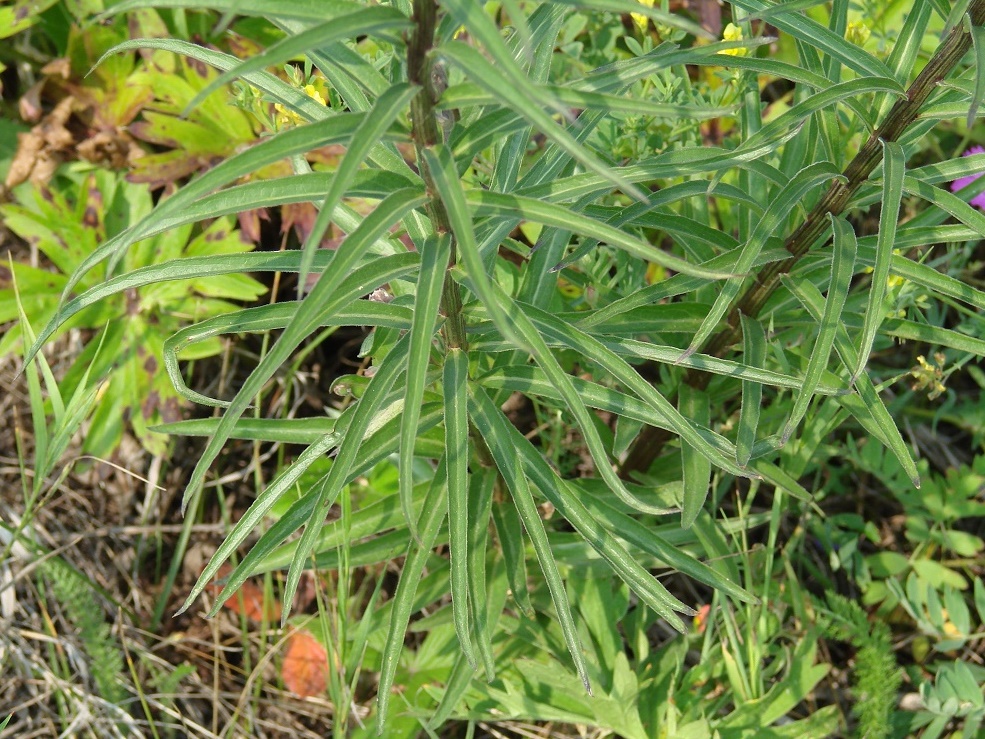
(425, 132)
(651, 440)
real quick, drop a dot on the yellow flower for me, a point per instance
(642, 21)
(732, 33)
(928, 377)
(857, 33)
(316, 90)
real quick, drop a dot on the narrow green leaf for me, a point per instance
(978, 46)
(754, 352)
(650, 540)
(695, 407)
(364, 415)
(452, 196)
(432, 514)
(362, 22)
(658, 15)
(842, 269)
(280, 430)
(568, 504)
(906, 49)
(337, 129)
(481, 485)
(893, 171)
(618, 368)
(511, 87)
(493, 426)
(317, 10)
(275, 88)
(321, 301)
(377, 122)
(488, 203)
(435, 252)
(454, 381)
(352, 312)
(817, 36)
(469, 94)
(250, 520)
(510, 538)
(776, 215)
(870, 410)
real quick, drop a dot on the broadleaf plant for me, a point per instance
(541, 265)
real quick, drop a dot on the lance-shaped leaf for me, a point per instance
(515, 91)
(321, 302)
(362, 22)
(480, 500)
(842, 269)
(488, 203)
(366, 413)
(436, 252)
(567, 502)
(311, 10)
(455, 376)
(351, 312)
(893, 171)
(754, 352)
(870, 410)
(337, 129)
(252, 518)
(817, 36)
(496, 432)
(377, 122)
(432, 514)
(775, 216)
(695, 407)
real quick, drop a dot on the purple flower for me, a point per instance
(979, 200)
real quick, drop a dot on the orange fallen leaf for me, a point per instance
(305, 667)
(249, 600)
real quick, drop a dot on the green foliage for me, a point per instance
(594, 250)
(876, 677)
(123, 356)
(103, 652)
